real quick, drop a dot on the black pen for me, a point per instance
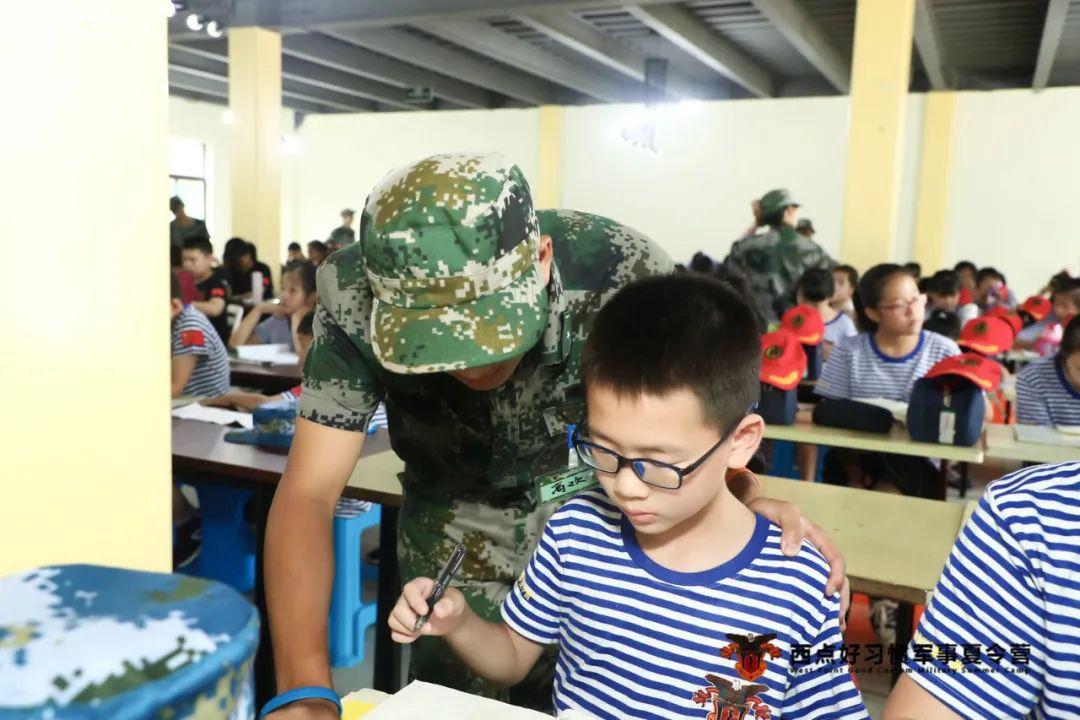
(445, 578)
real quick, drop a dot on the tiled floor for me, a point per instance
(874, 686)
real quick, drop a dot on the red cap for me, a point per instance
(1037, 307)
(783, 360)
(980, 370)
(1008, 316)
(988, 335)
(804, 321)
(966, 297)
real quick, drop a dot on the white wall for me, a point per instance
(344, 156)
(1016, 183)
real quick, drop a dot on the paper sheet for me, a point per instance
(896, 407)
(423, 701)
(219, 416)
(273, 354)
(1045, 436)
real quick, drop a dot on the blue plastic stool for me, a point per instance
(350, 616)
(783, 461)
(228, 542)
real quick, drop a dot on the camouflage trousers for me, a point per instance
(499, 542)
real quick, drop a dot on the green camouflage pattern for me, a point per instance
(451, 250)
(773, 262)
(471, 457)
(94, 642)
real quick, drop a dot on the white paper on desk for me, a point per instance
(1069, 429)
(1045, 436)
(219, 416)
(275, 354)
(422, 701)
(896, 407)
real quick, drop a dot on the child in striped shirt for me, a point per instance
(666, 596)
(200, 364)
(1048, 389)
(883, 361)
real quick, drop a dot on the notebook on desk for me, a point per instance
(270, 354)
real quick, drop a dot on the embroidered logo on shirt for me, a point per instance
(731, 702)
(523, 587)
(192, 338)
(750, 651)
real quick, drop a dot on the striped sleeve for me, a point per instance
(824, 690)
(835, 381)
(1032, 407)
(988, 599)
(189, 337)
(533, 609)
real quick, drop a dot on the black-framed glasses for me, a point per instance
(653, 472)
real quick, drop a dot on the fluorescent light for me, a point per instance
(170, 9)
(194, 23)
(212, 29)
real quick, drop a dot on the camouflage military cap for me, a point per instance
(776, 200)
(451, 248)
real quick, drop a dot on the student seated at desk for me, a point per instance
(816, 288)
(244, 269)
(272, 323)
(665, 596)
(1045, 335)
(1048, 389)
(198, 254)
(1006, 608)
(200, 363)
(884, 360)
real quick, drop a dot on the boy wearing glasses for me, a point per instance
(665, 595)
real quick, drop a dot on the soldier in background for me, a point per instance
(343, 234)
(773, 261)
(181, 227)
(466, 312)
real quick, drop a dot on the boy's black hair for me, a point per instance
(1070, 339)
(701, 263)
(663, 334)
(235, 249)
(943, 322)
(1070, 287)
(944, 282)
(318, 245)
(923, 284)
(988, 272)
(175, 203)
(852, 275)
(254, 251)
(175, 291)
(740, 284)
(305, 271)
(816, 285)
(199, 242)
(914, 268)
(175, 256)
(964, 265)
(307, 324)
(294, 246)
(871, 287)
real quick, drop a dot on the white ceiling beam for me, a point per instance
(1051, 38)
(928, 43)
(686, 30)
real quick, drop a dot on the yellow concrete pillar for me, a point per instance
(85, 468)
(255, 140)
(548, 191)
(932, 208)
(881, 68)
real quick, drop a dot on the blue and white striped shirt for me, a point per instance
(637, 640)
(1044, 396)
(1011, 587)
(858, 369)
(838, 328)
(193, 334)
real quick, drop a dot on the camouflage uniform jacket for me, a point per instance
(773, 262)
(457, 443)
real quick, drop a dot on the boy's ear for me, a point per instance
(176, 306)
(745, 440)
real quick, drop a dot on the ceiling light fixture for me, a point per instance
(213, 29)
(194, 23)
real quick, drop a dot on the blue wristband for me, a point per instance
(302, 693)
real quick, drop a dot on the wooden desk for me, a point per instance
(200, 452)
(1001, 444)
(267, 378)
(896, 441)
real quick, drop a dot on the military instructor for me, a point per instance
(466, 312)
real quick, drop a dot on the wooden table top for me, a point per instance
(895, 546)
(201, 447)
(897, 441)
(1001, 444)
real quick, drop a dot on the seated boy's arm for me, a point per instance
(908, 701)
(210, 308)
(182, 368)
(491, 650)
